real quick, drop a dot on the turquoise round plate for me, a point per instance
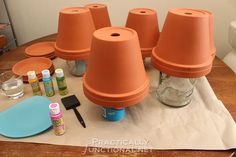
(26, 118)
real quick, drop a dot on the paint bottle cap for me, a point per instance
(59, 73)
(31, 75)
(54, 108)
(46, 73)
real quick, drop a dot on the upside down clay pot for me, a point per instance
(3, 41)
(144, 22)
(75, 29)
(115, 76)
(100, 15)
(211, 25)
(185, 47)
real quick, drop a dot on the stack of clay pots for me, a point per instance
(100, 15)
(75, 29)
(115, 77)
(186, 46)
(144, 22)
(185, 50)
(119, 80)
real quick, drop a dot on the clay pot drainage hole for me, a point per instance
(75, 11)
(115, 34)
(187, 13)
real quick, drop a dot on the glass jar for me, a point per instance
(11, 85)
(76, 67)
(175, 91)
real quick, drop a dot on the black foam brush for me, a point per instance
(71, 102)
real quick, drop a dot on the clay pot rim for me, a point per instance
(98, 6)
(119, 100)
(69, 10)
(72, 55)
(203, 12)
(114, 96)
(147, 49)
(72, 52)
(146, 52)
(183, 74)
(180, 66)
(180, 70)
(143, 11)
(116, 27)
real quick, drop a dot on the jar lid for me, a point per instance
(59, 72)
(46, 73)
(31, 75)
(54, 108)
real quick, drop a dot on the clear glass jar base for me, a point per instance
(16, 96)
(172, 103)
(174, 91)
(77, 68)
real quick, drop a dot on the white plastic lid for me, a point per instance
(46, 73)
(54, 108)
(31, 75)
(59, 73)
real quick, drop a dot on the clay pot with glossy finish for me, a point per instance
(115, 75)
(75, 29)
(100, 15)
(185, 47)
(144, 22)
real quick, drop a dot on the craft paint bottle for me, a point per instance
(34, 82)
(56, 118)
(61, 82)
(48, 84)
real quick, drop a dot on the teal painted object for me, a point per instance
(112, 114)
(48, 87)
(26, 118)
(80, 67)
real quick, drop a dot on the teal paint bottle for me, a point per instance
(48, 84)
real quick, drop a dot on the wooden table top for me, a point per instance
(221, 78)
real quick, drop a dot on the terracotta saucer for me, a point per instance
(51, 69)
(34, 63)
(40, 49)
(51, 56)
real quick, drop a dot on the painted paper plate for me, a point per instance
(26, 118)
(40, 49)
(34, 63)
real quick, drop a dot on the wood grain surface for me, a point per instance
(221, 78)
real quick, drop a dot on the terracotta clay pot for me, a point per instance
(75, 29)
(100, 15)
(185, 47)
(3, 41)
(115, 75)
(144, 22)
(211, 25)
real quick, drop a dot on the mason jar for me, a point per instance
(175, 91)
(76, 67)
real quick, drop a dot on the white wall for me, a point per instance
(36, 18)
